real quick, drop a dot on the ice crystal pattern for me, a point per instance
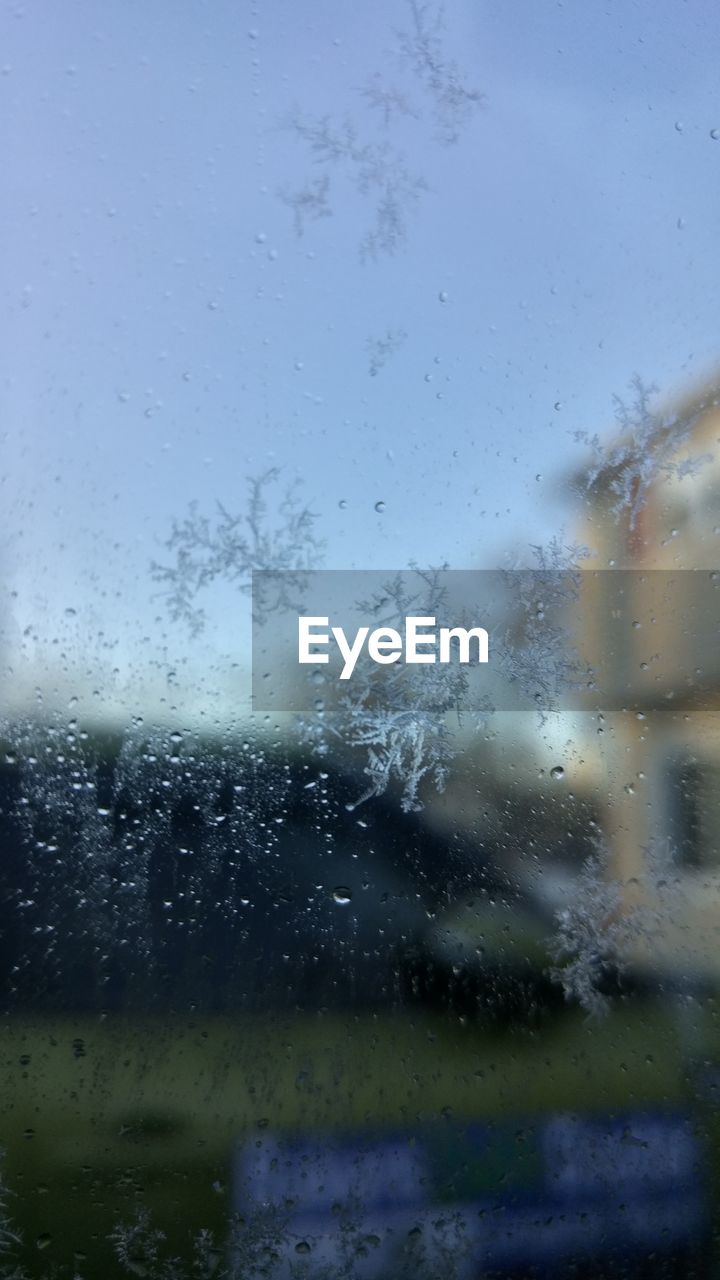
(454, 102)
(593, 935)
(369, 157)
(539, 657)
(261, 1243)
(647, 448)
(230, 547)
(400, 716)
(376, 170)
(387, 100)
(308, 202)
(381, 349)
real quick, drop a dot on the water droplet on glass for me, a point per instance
(715, 134)
(261, 237)
(342, 895)
(679, 126)
(558, 405)
(557, 773)
(538, 476)
(443, 295)
(379, 507)
(342, 504)
(302, 1246)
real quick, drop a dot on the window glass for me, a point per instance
(359, 736)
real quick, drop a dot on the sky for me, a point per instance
(169, 334)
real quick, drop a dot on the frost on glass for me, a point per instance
(309, 202)
(272, 537)
(429, 90)
(541, 660)
(401, 726)
(402, 731)
(261, 1244)
(168, 871)
(646, 449)
(376, 170)
(9, 1238)
(453, 101)
(381, 349)
(397, 718)
(593, 935)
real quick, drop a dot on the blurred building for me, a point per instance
(648, 621)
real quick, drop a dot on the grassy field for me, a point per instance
(102, 1117)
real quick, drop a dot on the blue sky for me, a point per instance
(170, 335)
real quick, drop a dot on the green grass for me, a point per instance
(100, 1117)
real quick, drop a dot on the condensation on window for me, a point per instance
(412, 972)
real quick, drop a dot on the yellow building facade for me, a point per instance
(648, 621)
